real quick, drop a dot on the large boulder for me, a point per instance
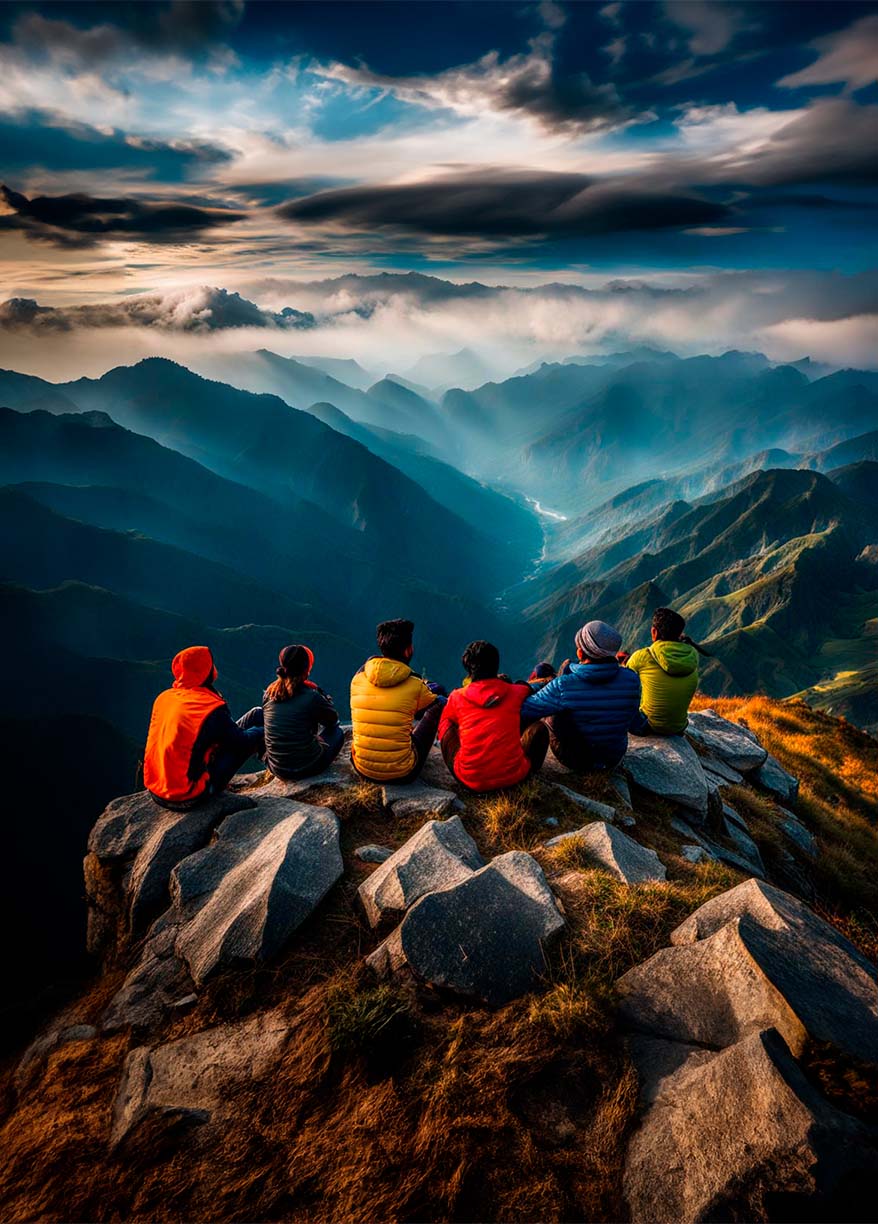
(265, 873)
(132, 849)
(724, 1126)
(440, 854)
(616, 852)
(729, 742)
(187, 1081)
(668, 766)
(775, 779)
(755, 957)
(265, 785)
(483, 938)
(732, 857)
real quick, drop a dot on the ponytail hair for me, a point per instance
(294, 667)
(669, 626)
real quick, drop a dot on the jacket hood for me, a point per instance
(193, 667)
(676, 658)
(486, 693)
(596, 673)
(386, 673)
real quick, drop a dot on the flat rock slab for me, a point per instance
(617, 853)
(418, 799)
(439, 855)
(751, 958)
(736, 830)
(127, 823)
(775, 779)
(265, 786)
(255, 885)
(667, 766)
(601, 811)
(724, 774)
(189, 1079)
(742, 1119)
(483, 938)
(729, 742)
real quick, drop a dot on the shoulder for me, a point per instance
(640, 658)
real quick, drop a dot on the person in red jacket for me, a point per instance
(480, 730)
(194, 747)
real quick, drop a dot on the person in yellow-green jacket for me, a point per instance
(395, 714)
(668, 671)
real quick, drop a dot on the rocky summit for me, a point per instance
(313, 999)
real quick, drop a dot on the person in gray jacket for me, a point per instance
(302, 733)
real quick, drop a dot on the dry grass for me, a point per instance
(396, 1104)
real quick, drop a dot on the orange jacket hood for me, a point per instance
(193, 667)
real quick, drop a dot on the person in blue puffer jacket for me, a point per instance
(591, 705)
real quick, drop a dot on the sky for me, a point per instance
(704, 174)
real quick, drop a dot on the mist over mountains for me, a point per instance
(265, 498)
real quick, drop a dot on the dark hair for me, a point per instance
(669, 626)
(481, 660)
(394, 638)
(294, 664)
(543, 671)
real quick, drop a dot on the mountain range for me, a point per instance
(154, 507)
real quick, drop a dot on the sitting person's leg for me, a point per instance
(331, 744)
(226, 762)
(535, 745)
(423, 738)
(568, 745)
(450, 745)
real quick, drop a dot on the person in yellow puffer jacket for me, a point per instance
(668, 671)
(387, 698)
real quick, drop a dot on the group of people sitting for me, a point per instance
(493, 731)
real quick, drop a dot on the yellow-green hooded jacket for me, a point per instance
(385, 696)
(668, 679)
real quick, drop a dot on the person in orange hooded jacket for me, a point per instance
(194, 747)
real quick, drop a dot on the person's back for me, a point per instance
(193, 747)
(386, 698)
(592, 705)
(668, 671)
(295, 711)
(480, 729)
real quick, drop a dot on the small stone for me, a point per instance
(732, 858)
(696, 854)
(551, 822)
(373, 854)
(602, 811)
(619, 783)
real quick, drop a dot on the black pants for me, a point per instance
(571, 748)
(534, 744)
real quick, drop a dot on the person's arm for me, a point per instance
(324, 711)
(219, 730)
(639, 722)
(549, 700)
(426, 697)
(635, 662)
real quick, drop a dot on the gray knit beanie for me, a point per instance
(598, 640)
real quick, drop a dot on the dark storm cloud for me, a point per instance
(190, 27)
(34, 139)
(200, 309)
(82, 221)
(501, 204)
(834, 141)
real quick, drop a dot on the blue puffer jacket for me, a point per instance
(604, 700)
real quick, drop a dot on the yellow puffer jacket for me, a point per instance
(385, 696)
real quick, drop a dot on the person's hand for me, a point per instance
(623, 656)
(438, 689)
